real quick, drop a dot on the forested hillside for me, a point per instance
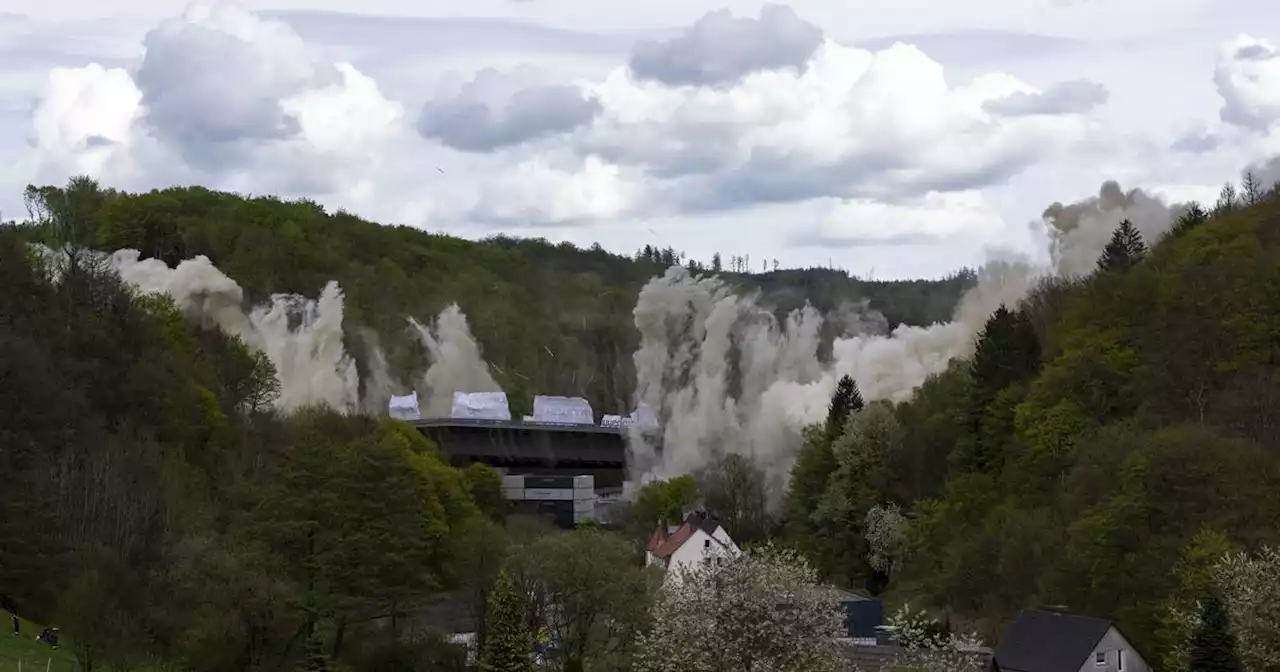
(1110, 439)
(1113, 436)
(157, 512)
(552, 319)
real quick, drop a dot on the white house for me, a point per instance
(1051, 640)
(700, 538)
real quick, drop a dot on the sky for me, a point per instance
(908, 139)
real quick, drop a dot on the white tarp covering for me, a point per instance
(615, 421)
(563, 410)
(481, 406)
(405, 408)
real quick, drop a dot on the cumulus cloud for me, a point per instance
(497, 109)
(877, 145)
(539, 192)
(1074, 97)
(224, 97)
(84, 115)
(1247, 75)
(930, 219)
(720, 48)
(853, 124)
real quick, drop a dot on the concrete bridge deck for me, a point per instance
(519, 444)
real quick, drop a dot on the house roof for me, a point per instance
(659, 537)
(663, 545)
(1049, 641)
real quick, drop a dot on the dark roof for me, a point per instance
(702, 521)
(1049, 641)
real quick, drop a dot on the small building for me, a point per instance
(1052, 640)
(863, 616)
(700, 538)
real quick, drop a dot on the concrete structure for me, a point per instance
(1052, 640)
(566, 500)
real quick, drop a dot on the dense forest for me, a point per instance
(552, 319)
(1111, 439)
(156, 511)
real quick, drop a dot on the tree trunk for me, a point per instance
(337, 638)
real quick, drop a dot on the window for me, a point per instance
(706, 543)
(1100, 659)
(1120, 660)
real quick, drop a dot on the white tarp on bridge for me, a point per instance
(562, 410)
(405, 408)
(643, 416)
(615, 421)
(481, 406)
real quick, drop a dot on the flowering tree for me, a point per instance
(762, 611)
(1250, 589)
(1250, 586)
(886, 529)
(929, 647)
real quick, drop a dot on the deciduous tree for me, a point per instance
(762, 611)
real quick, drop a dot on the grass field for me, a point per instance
(32, 655)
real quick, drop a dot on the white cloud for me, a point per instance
(537, 193)
(720, 48)
(1247, 75)
(84, 119)
(852, 124)
(760, 124)
(499, 109)
(936, 217)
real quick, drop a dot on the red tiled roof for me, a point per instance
(656, 539)
(674, 542)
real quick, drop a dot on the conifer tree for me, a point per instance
(507, 644)
(1194, 216)
(816, 460)
(1124, 251)
(313, 658)
(1007, 352)
(845, 402)
(1213, 645)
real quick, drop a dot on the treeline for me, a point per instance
(163, 521)
(153, 515)
(552, 319)
(1113, 437)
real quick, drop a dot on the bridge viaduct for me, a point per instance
(533, 447)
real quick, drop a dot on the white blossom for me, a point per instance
(886, 535)
(762, 611)
(1250, 590)
(1250, 587)
(928, 647)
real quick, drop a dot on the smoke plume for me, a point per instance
(302, 337)
(456, 362)
(1078, 232)
(725, 376)
(1266, 172)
